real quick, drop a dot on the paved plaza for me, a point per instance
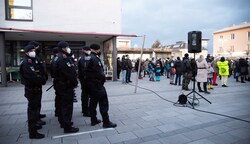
(144, 117)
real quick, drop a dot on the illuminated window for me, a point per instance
(19, 10)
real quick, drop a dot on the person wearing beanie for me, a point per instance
(84, 59)
(66, 82)
(95, 79)
(33, 79)
(223, 71)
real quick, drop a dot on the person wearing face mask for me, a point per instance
(66, 82)
(95, 79)
(33, 79)
(43, 70)
(84, 59)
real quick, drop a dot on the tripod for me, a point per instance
(195, 92)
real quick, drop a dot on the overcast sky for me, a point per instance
(170, 20)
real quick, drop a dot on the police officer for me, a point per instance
(82, 77)
(33, 79)
(55, 52)
(95, 79)
(66, 82)
(43, 70)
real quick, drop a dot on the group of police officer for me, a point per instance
(64, 74)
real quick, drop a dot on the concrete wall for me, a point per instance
(70, 16)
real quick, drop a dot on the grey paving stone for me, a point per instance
(223, 138)
(133, 141)
(203, 141)
(175, 139)
(198, 134)
(151, 138)
(134, 112)
(121, 137)
(241, 133)
(167, 128)
(217, 129)
(152, 142)
(128, 128)
(147, 132)
(147, 124)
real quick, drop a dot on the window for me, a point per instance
(19, 10)
(221, 37)
(232, 36)
(248, 36)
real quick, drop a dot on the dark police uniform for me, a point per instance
(84, 59)
(66, 82)
(33, 80)
(43, 70)
(53, 73)
(95, 79)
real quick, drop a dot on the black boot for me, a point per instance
(33, 134)
(242, 80)
(95, 122)
(205, 88)
(109, 124)
(71, 130)
(199, 87)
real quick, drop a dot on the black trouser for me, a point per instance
(40, 99)
(34, 104)
(128, 75)
(118, 73)
(57, 98)
(66, 95)
(204, 86)
(98, 94)
(85, 98)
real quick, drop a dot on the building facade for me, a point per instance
(232, 41)
(80, 22)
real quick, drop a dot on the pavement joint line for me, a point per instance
(81, 133)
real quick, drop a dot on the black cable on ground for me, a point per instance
(185, 105)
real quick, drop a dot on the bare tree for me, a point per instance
(156, 44)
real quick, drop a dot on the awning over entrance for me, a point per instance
(16, 34)
(43, 35)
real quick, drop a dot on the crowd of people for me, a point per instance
(88, 70)
(65, 79)
(202, 70)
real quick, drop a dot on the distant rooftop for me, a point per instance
(234, 27)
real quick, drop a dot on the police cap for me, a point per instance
(94, 46)
(55, 50)
(28, 48)
(63, 44)
(86, 48)
(34, 43)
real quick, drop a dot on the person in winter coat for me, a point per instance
(216, 70)
(223, 71)
(178, 67)
(202, 74)
(210, 76)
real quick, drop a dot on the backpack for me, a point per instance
(182, 99)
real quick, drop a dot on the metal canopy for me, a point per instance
(43, 35)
